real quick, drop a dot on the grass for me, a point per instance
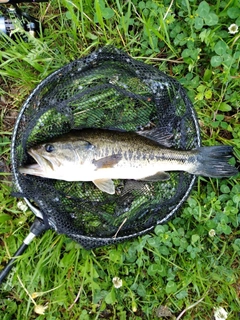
(185, 268)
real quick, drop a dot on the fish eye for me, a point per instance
(49, 147)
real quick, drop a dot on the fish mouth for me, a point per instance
(40, 168)
(42, 161)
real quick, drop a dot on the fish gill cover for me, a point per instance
(107, 89)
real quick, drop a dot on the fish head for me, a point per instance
(57, 159)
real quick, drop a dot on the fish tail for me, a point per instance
(213, 162)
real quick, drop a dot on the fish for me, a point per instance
(103, 155)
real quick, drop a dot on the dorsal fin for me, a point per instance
(159, 176)
(162, 135)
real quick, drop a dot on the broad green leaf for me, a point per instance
(224, 107)
(4, 217)
(142, 5)
(164, 250)
(219, 117)
(152, 269)
(162, 271)
(186, 53)
(110, 297)
(220, 47)
(233, 12)
(153, 242)
(108, 13)
(237, 243)
(84, 315)
(160, 229)
(198, 23)
(207, 75)
(182, 294)
(228, 59)
(171, 287)
(216, 61)
(224, 188)
(91, 36)
(208, 94)
(141, 290)
(236, 55)
(203, 9)
(195, 238)
(176, 241)
(205, 35)
(211, 19)
(236, 199)
(226, 229)
(238, 21)
(115, 256)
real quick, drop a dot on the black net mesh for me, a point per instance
(107, 89)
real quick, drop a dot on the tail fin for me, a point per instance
(213, 162)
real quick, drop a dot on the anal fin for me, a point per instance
(159, 176)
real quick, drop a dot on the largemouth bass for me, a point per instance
(100, 156)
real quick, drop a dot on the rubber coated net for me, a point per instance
(107, 89)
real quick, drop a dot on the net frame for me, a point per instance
(94, 61)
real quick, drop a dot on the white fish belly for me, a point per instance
(122, 170)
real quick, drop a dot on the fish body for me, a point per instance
(101, 156)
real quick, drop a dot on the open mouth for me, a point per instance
(43, 162)
(39, 168)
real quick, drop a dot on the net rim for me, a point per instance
(40, 214)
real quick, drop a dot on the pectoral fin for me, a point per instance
(107, 162)
(105, 185)
(159, 176)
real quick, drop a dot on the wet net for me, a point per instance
(107, 89)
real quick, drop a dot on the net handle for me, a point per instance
(37, 228)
